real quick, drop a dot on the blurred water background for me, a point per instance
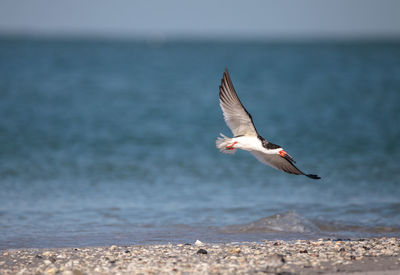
(113, 142)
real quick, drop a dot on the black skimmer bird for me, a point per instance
(245, 133)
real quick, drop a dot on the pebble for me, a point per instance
(198, 243)
(275, 261)
(50, 271)
(278, 257)
(201, 251)
(52, 259)
(236, 250)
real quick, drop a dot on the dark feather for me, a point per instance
(281, 163)
(267, 144)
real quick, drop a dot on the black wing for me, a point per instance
(280, 163)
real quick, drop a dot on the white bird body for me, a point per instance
(246, 136)
(247, 143)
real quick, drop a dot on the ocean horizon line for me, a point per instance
(213, 38)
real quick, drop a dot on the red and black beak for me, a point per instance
(286, 156)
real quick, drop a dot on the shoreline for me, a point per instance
(364, 256)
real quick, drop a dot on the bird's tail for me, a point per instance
(222, 143)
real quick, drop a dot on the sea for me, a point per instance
(107, 142)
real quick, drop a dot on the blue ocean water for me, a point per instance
(113, 142)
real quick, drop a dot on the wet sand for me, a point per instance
(369, 256)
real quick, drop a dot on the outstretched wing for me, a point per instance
(277, 162)
(236, 116)
(280, 163)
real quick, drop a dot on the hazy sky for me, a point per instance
(209, 18)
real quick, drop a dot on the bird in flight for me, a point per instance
(245, 133)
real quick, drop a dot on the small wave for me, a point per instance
(290, 222)
(376, 230)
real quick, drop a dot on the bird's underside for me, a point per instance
(245, 133)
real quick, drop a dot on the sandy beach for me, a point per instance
(362, 256)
